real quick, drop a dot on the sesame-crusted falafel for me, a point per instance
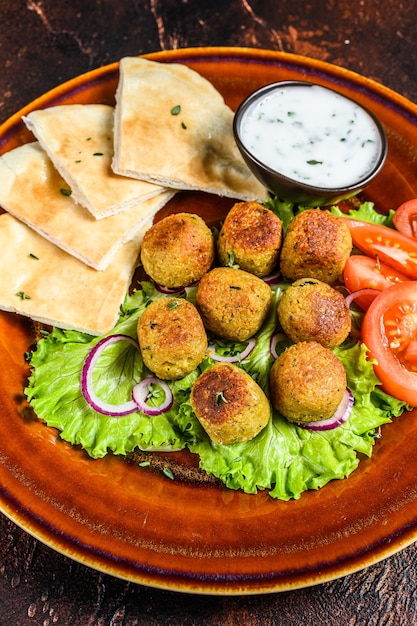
(316, 245)
(310, 310)
(251, 238)
(229, 404)
(307, 382)
(233, 303)
(172, 338)
(178, 250)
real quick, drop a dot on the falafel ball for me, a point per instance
(229, 404)
(178, 250)
(172, 338)
(316, 245)
(310, 310)
(233, 303)
(250, 237)
(307, 382)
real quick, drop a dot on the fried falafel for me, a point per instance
(229, 404)
(172, 338)
(316, 245)
(233, 303)
(178, 250)
(307, 382)
(310, 310)
(250, 238)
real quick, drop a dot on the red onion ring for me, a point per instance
(235, 358)
(340, 416)
(140, 395)
(361, 292)
(273, 343)
(272, 279)
(99, 405)
(169, 290)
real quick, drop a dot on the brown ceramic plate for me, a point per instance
(186, 534)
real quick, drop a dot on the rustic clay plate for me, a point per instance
(187, 534)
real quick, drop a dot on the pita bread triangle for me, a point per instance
(33, 191)
(78, 139)
(41, 281)
(173, 128)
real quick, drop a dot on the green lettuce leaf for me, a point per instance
(284, 458)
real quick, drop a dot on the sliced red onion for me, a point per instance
(272, 279)
(340, 416)
(235, 358)
(140, 396)
(275, 339)
(354, 295)
(99, 405)
(169, 290)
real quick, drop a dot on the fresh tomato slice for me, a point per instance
(405, 218)
(389, 331)
(363, 272)
(385, 244)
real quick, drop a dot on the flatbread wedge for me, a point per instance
(173, 128)
(32, 190)
(41, 281)
(78, 139)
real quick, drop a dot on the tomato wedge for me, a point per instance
(363, 272)
(385, 244)
(389, 331)
(405, 218)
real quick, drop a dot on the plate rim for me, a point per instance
(409, 535)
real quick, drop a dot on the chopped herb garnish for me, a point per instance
(66, 192)
(144, 464)
(88, 139)
(167, 471)
(23, 295)
(220, 398)
(173, 304)
(97, 154)
(176, 110)
(78, 161)
(314, 162)
(183, 126)
(33, 256)
(231, 262)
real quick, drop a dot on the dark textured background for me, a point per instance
(45, 42)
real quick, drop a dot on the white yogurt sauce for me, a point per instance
(313, 135)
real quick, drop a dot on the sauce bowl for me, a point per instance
(309, 144)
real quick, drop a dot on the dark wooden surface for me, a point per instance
(45, 42)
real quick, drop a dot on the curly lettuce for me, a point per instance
(284, 459)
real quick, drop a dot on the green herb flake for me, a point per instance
(183, 126)
(22, 295)
(78, 161)
(314, 162)
(33, 256)
(176, 110)
(97, 154)
(167, 471)
(66, 192)
(220, 398)
(173, 305)
(144, 464)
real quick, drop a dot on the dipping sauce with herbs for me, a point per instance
(312, 134)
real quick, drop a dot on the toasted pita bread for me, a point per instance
(41, 281)
(173, 128)
(31, 190)
(78, 139)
